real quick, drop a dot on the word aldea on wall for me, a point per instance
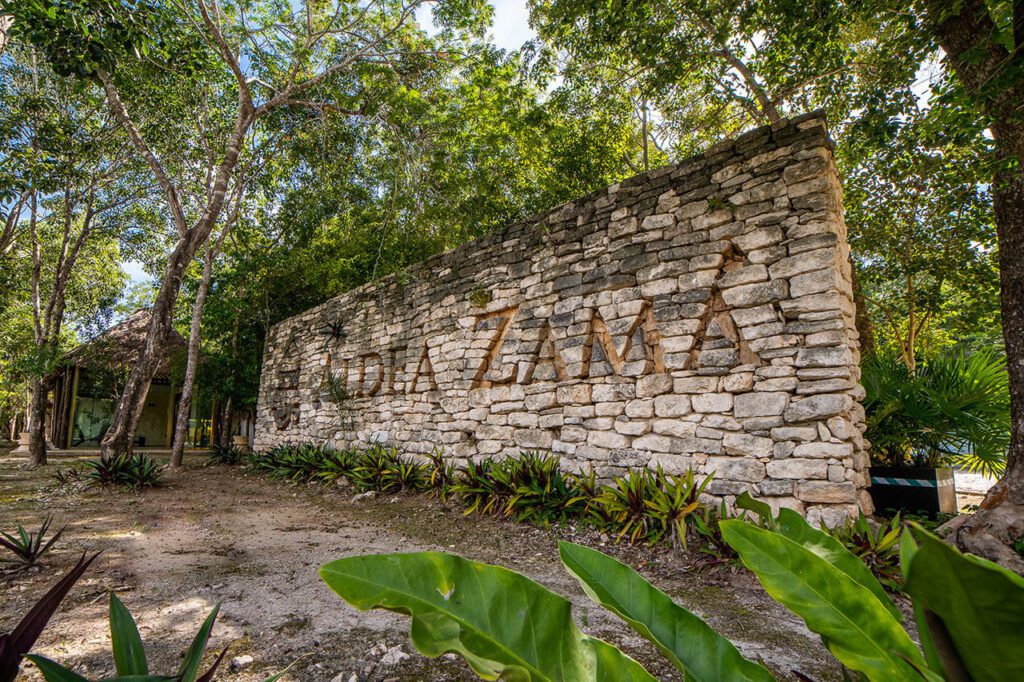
(699, 315)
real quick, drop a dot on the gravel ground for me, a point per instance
(214, 534)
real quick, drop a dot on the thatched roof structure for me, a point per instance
(121, 345)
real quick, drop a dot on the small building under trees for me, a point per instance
(87, 388)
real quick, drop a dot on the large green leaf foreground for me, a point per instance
(505, 625)
(970, 612)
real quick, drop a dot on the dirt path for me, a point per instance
(216, 535)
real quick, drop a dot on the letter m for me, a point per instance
(633, 359)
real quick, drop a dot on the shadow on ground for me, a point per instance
(215, 534)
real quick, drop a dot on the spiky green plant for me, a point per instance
(291, 463)
(135, 471)
(441, 474)
(19, 641)
(624, 504)
(337, 464)
(225, 455)
(542, 493)
(405, 475)
(373, 463)
(483, 487)
(877, 545)
(674, 500)
(27, 547)
(130, 655)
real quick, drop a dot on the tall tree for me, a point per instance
(985, 48)
(270, 56)
(79, 180)
(922, 233)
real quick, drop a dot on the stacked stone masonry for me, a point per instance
(698, 315)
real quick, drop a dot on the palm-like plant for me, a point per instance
(954, 410)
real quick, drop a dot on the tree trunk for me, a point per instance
(125, 420)
(6, 22)
(227, 420)
(188, 385)
(968, 35)
(37, 423)
(992, 531)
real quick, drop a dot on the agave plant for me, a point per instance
(28, 547)
(954, 409)
(968, 610)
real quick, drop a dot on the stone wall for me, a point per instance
(698, 315)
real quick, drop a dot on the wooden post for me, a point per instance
(74, 404)
(170, 415)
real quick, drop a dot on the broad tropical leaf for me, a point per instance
(908, 550)
(685, 639)
(129, 655)
(972, 606)
(856, 627)
(795, 527)
(505, 625)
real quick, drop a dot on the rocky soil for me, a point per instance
(216, 535)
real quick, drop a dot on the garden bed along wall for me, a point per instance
(698, 315)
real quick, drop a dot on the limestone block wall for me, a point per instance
(698, 315)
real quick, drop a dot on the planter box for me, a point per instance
(913, 489)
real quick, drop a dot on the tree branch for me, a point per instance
(121, 114)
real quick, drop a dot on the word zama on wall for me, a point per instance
(696, 316)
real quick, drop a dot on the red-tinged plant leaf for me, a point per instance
(208, 675)
(24, 636)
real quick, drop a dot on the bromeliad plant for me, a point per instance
(130, 654)
(541, 492)
(27, 547)
(225, 455)
(674, 501)
(624, 502)
(134, 471)
(291, 463)
(969, 611)
(441, 474)
(877, 545)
